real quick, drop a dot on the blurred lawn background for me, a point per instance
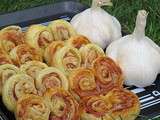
(124, 10)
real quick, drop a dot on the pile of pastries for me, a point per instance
(52, 73)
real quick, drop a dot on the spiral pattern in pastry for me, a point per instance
(51, 78)
(4, 57)
(89, 53)
(39, 37)
(61, 29)
(83, 83)
(108, 74)
(15, 87)
(10, 37)
(6, 71)
(78, 41)
(32, 68)
(50, 51)
(67, 59)
(32, 107)
(24, 53)
(63, 106)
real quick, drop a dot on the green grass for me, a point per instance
(124, 10)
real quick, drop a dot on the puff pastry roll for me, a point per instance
(62, 105)
(39, 37)
(51, 78)
(78, 41)
(89, 53)
(10, 37)
(61, 30)
(6, 71)
(50, 51)
(24, 53)
(32, 107)
(83, 83)
(118, 104)
(4, 58)
(108, 74)
(125, 105)
(67, 59)
(32, 68)
(15, 87)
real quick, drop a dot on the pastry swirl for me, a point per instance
(15, 87)
(24, 53)
(108, 74)
(83, 83)
(78, 41)
(39, 37)
(32, 68)
(125, 105)
(89, 53)
(67, 59)
(51, 78)
(118, 104)
(6, 71)
(10, 37)
(63, 106)
(50, 51)
(32, 107)
(61, 30)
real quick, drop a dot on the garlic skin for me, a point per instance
(98, 25)
(137, 55)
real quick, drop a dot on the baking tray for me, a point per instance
(149, 96)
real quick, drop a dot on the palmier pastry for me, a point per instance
(24, 53)
(108, 74)
(39, 37)
(32, 107)
(61, 30)
(83, 83)
(10, 37)
(51, 78)
(63, 106)
(67, 59)
(4, 58)
(89, 53)
(15, 87)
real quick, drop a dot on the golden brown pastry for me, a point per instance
(89, 53)
(61, 30)
(6, 71)
(39, 37)
(4, 58)
(10, 37)
(32, 68)
(32, 107)
(15, 87)
(24, 53)
(50, 51)
(78, 41)
(125, 105)
(118, 104)
(62, 105)
(51, 78)
(67, 59)
(108, 74)
(83, 83)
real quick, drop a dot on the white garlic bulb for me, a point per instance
(137, 55)
(98, 25)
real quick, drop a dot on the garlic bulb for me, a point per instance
(137, 55)
(98, 25)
